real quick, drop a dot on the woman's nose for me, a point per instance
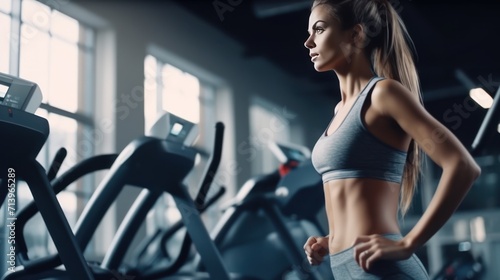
(309, 44)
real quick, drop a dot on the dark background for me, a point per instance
(457, 43)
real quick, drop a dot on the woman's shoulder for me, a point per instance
(388, 85)
(390, 88)
(390, 92)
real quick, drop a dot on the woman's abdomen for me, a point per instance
(360, 207)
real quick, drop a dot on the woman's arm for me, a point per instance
(393, 100)
(460, 170)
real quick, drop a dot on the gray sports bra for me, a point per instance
(352, 151)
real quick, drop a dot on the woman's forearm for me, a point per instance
(455, 182)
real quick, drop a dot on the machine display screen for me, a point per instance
(176, 129)
(19, 94)
(3, 91)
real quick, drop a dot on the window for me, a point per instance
(54, 50)
(183, 93)
(167, 88)
(5, 26)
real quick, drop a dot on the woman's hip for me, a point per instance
(344, 266)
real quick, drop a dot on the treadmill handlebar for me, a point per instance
(214, 165)
(93, 164)
(56, 163)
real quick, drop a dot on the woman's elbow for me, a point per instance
(469, 168)
(475, 170)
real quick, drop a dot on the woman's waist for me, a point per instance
(352, 218)
(347, 252)
(345, 227)
(361, 219)
(343, 241)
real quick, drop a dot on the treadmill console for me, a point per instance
(19, 94)
(174, 129)
(23, 132)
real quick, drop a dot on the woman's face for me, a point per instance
(327, 43)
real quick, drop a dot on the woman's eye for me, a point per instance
(318, 30)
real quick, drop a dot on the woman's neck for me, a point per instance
(354, 77)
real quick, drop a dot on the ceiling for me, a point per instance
(457, 42)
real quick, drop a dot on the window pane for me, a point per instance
(36, 14)
(63, 133)
(63, 75)
(34, 63)
(180, 93)
(191, 85)
(181, 105)
(6, 5)
(171, 78)
(65, 27)
(4, 41)
(178, 80)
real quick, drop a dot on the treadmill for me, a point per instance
(23, 136)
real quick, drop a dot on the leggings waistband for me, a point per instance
(345, 254)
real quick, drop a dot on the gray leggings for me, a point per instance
(345, 267)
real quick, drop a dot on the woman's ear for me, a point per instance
(358, 36)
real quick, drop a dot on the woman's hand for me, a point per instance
(316, 248)
(370, 248)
